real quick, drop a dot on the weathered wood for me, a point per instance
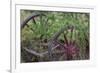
(28, 19)
(41, 54)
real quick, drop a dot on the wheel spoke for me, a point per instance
(60, 44)
(65, 38)
(30, 28)
(71, 30)
(34, 21)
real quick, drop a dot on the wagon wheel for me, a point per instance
(64, 43)
(38, 42)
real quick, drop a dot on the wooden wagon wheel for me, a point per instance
(68, 49)
(35, 18)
